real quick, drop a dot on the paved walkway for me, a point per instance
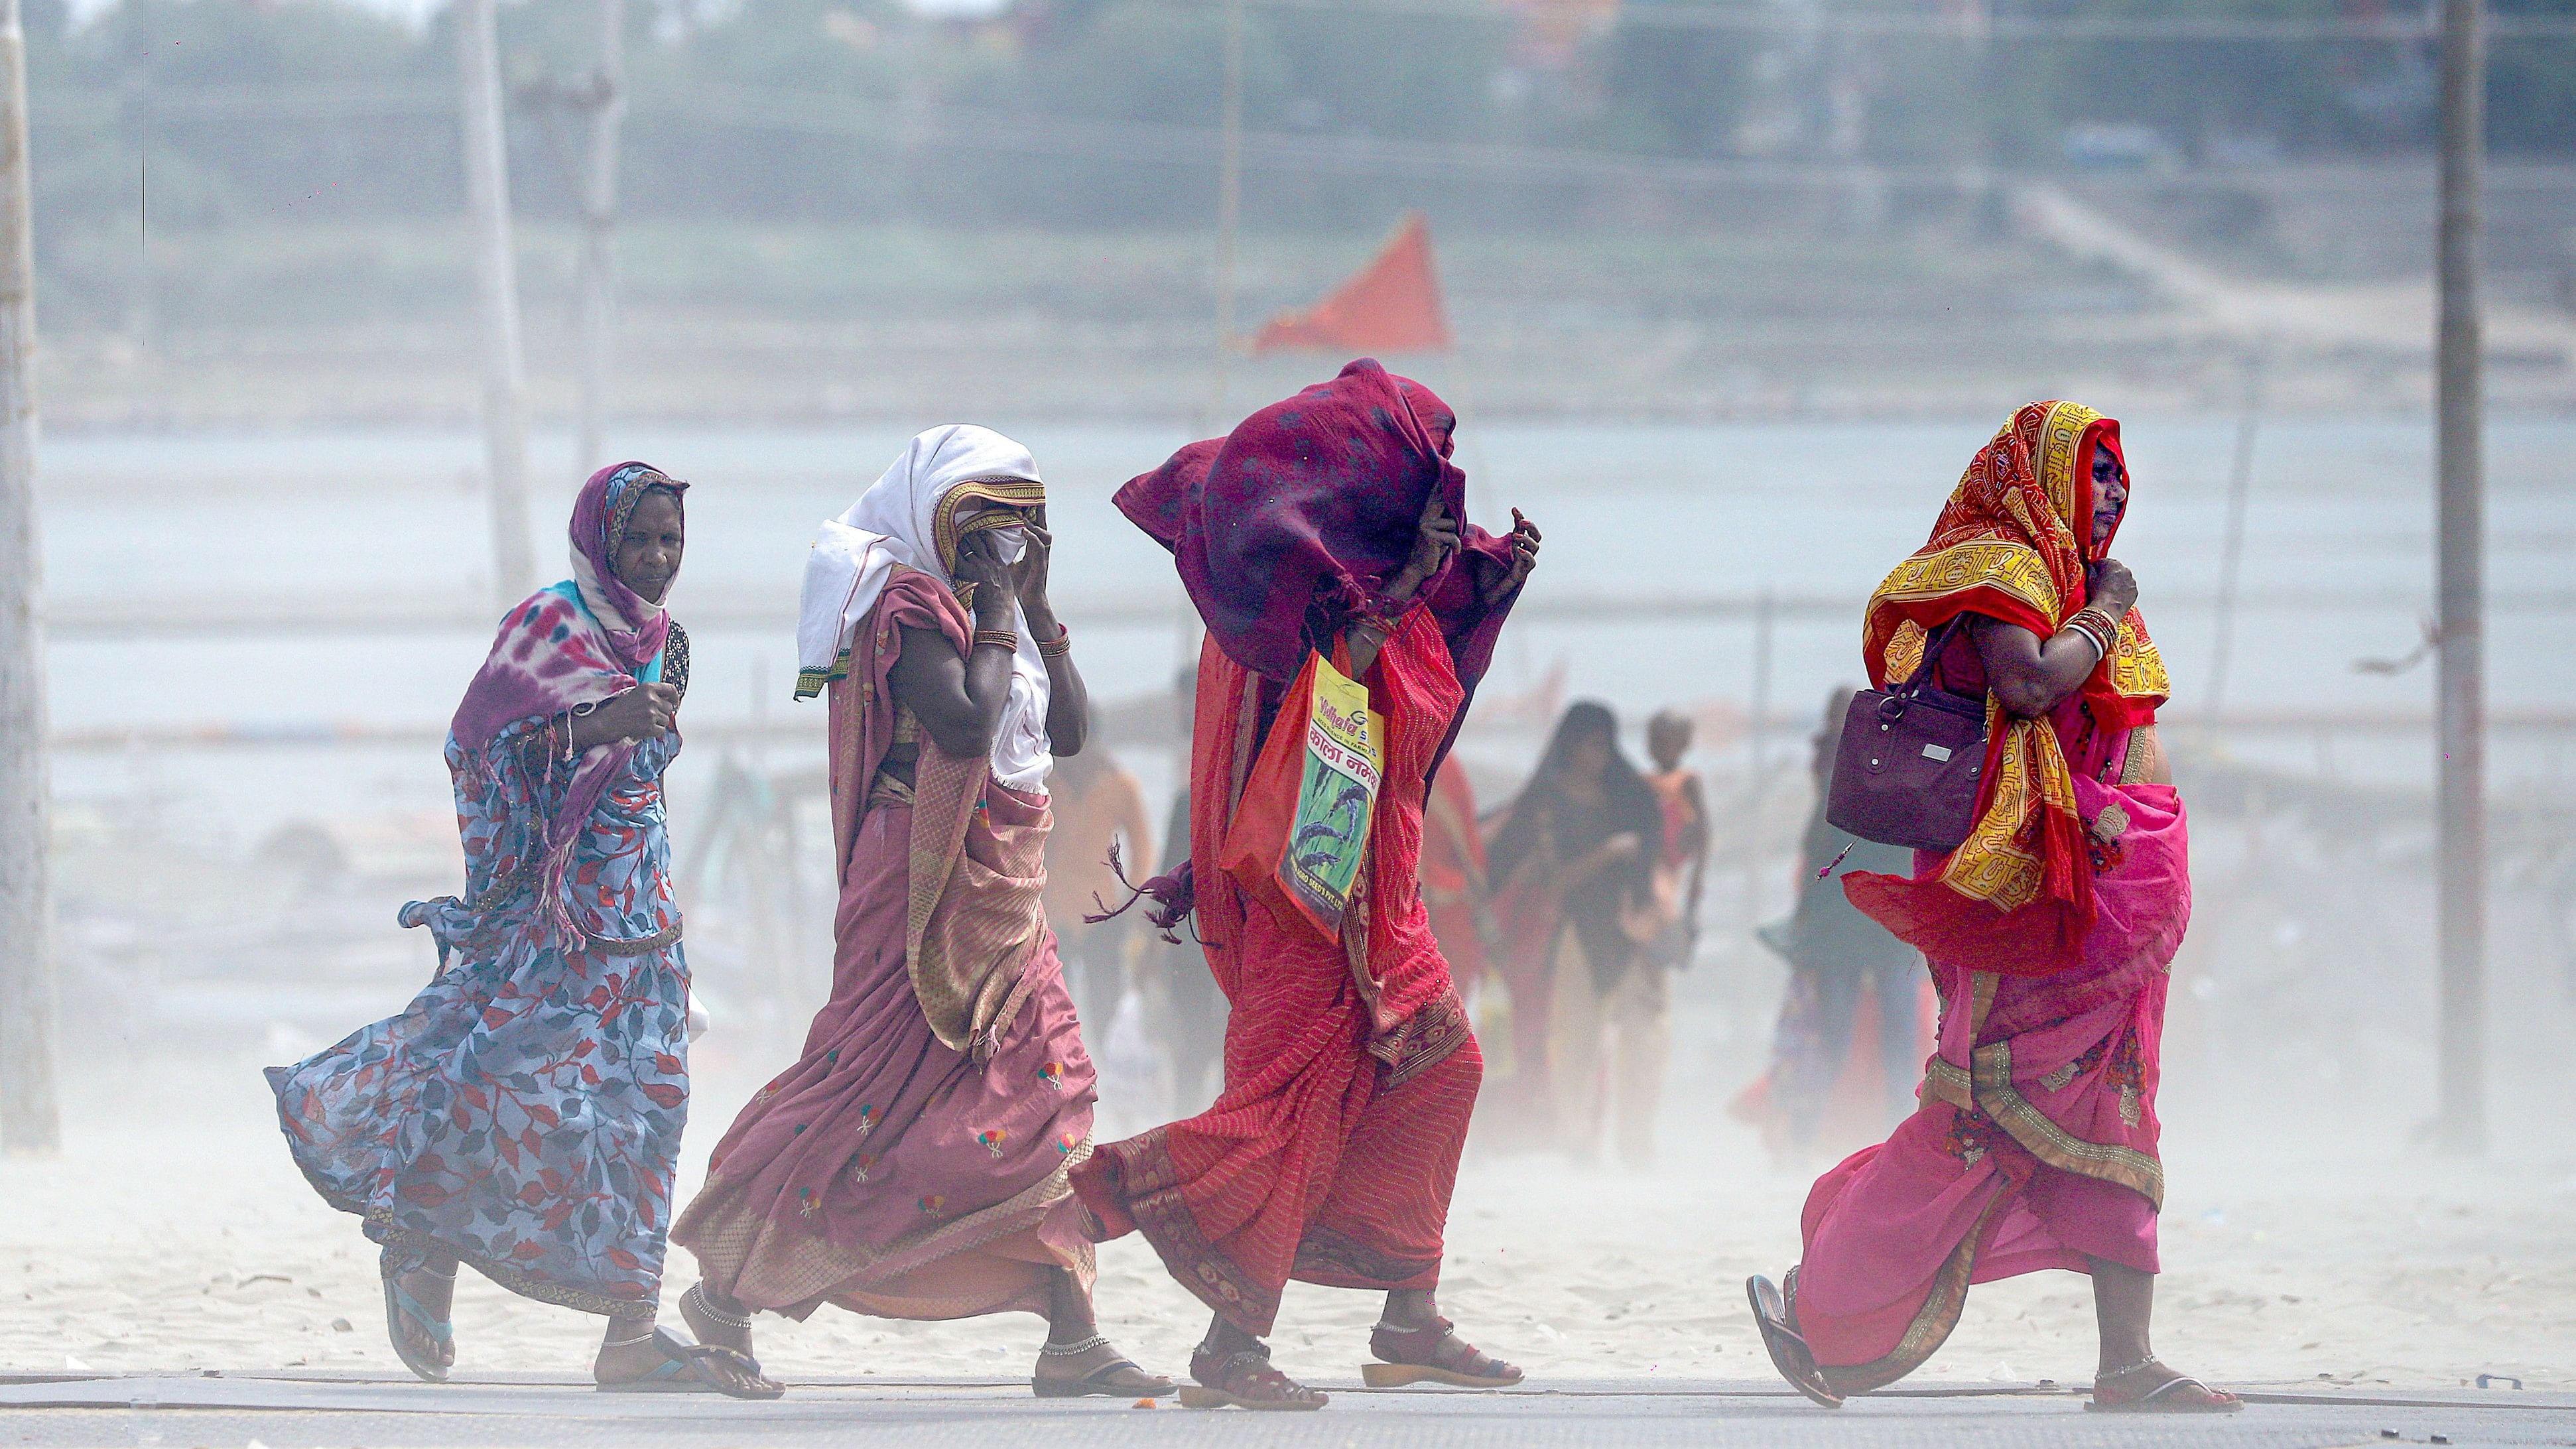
(339, 1411)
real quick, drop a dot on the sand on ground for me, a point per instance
(147, 1246)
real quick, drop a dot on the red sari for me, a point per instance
(1350, 1069)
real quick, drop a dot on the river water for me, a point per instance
(2336, 569)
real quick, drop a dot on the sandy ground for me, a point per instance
(174, 1250)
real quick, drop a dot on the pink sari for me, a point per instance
(913, 1162)
(2036, 1142)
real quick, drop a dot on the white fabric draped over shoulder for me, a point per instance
(894, 524)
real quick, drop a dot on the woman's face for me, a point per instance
(2110, 497)
(648, 556)
(1589, 759)
(977, 515)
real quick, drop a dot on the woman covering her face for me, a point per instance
(912, 1162)
(1332, 518)
(2048, 932)
(523, 1114)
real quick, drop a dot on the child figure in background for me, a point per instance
(1681, 865)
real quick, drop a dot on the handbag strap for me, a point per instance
(1933, 644)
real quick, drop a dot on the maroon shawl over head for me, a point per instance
(1290, 526)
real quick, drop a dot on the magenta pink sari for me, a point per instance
(2035, 1145)
(888, 1170)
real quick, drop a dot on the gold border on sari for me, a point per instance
(2052, 1144)
(1931, 1324)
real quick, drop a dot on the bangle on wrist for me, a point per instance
(1059, 646)
(1006, 639)
(2087, 626)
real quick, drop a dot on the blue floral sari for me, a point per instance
(523, 1113)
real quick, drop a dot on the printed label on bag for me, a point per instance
(1345, 749)
(1936, 752)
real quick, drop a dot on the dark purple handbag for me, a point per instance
(1907, 770)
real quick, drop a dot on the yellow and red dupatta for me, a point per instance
(2011, 544)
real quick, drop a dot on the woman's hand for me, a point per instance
(1625, 846)
(646, 712)
(2110, 587)
(1497, 582)
(1029, 576)
(979, 562)
(1433, 541)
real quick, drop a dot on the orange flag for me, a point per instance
(1393, 305)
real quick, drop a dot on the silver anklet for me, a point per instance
(1070, 1350)
(711, 1311)
(626, 1342)
(2128, 1369)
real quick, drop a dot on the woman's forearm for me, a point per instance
(1068, 720)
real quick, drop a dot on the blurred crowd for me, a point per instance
(1565, 908)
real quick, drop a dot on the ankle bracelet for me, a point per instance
(698, 1293)
(2127, 1369)
(1078, 1346)
(626, 1342)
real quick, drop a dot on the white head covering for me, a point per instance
(895, 522)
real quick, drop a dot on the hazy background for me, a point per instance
(1737, 291)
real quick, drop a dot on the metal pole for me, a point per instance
(2460, 525)
(599, 236)
(1229, 202)
(2231, 556)
(1755, 743)
(30, 1119)
(505, 388)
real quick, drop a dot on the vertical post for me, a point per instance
(1756, 741)
(2231, 552)
(599, 236)
(137, 95)
(1229, 202)
(505, 388)
(30, 1120)
(2460, 524)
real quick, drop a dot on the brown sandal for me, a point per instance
(1789, 1352)
(1245, 1380)
(2180, 1394)
(1435, 1354)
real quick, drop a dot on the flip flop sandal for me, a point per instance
(402, 1308)
(1096, 1384)
(1466, 1367)
(684, 1369)
(1245, 1380)
(2154, 1402)
(1789, 1352)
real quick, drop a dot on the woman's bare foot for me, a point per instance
(716, 1319)
(1077, 1360)
(1093, 1365)
(417, 1309)
(635, 1355)
(626, 1352)
(2152, 1388)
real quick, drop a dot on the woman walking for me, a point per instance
(912, 1162)
(1334, 518)
(523, 1114)
(1578, 854)
(2049, 933)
